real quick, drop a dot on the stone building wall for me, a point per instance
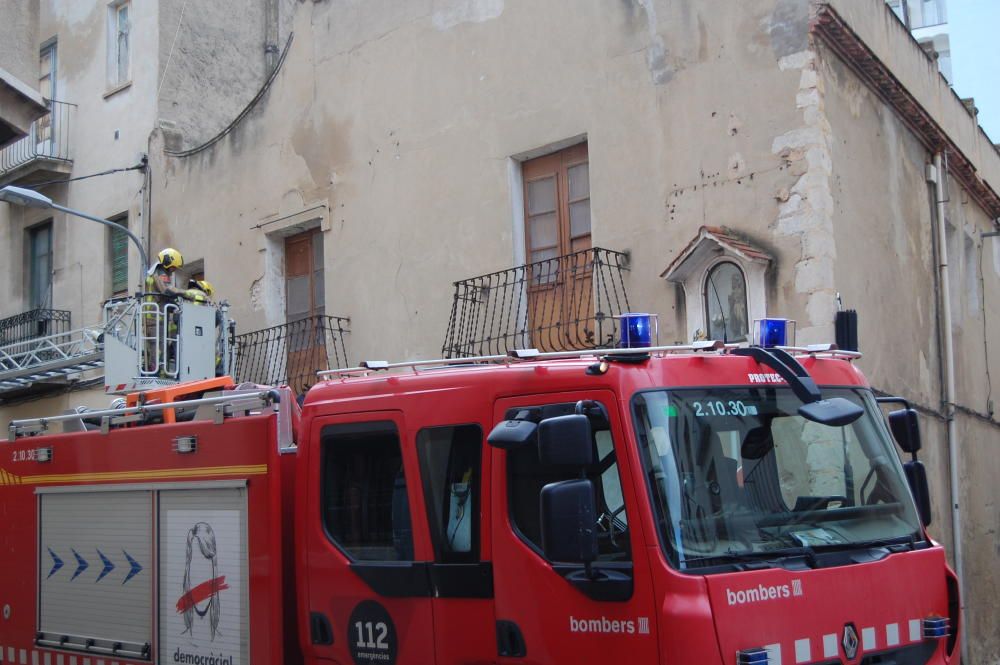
(398, 129)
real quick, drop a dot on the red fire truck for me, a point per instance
(695, 504)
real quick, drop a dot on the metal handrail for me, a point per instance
(291, 353)
(527, 355)
(567, 302)
(17, 427)
(48, 138)
(33, 324)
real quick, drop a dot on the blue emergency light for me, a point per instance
(636, 330)
(775, 332)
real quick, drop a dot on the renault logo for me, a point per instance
(850, 641)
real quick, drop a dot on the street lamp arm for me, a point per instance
(100, 220)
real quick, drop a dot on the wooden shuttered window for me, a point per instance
(118, 256)
(557, 204)
(557, 236)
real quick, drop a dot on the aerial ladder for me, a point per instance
(146, 342)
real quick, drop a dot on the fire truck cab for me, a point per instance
(648, 508)
(698, 504)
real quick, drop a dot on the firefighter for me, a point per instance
(159, 276)
(200, 291)
(159, 282)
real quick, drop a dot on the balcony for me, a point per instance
(45, 153)
(20, 105)
(560, 304)
(33, 324)
(292, 353)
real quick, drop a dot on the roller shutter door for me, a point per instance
(95, 569)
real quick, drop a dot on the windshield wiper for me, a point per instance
(910, 541)
(761, 557)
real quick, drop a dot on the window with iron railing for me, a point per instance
(562, 303)
(276, 355)
(33, 324)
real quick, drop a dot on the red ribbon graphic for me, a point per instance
(203, 591)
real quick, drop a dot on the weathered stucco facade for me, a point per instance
(399, 128)
(20, 101)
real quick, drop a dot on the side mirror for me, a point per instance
(509, 434)
(566, 440)
(905, 429)
(569, 515)
(834, 412)
(916, 476)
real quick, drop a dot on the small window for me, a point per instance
(726, 303)
(450, 465)
(526, 476)
(365, 508)
(119, 43)
(118, 256)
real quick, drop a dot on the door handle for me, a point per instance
(320, 630)
(510, 641)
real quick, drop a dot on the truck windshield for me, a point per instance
(736, 474)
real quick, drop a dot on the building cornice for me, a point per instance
(829, 26)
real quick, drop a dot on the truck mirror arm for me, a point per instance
(787, 368)
(833, 412)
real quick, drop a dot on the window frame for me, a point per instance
(122, 220)
(31, 234)
(115, 78)
(440, 554)
(705, 284)
(596, 479)
(384, 426)
(557, 165)
(45, 126)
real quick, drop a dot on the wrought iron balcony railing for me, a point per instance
(33, 324)
(291, 353)
(564, 303)
(48, 139)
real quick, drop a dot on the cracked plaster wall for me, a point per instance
(883, 220)
(404, 126)
(211, 64)
(19, 41)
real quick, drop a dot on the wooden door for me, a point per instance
(305, 337)
(559, 275)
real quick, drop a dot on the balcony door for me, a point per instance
(560, 267)
(45, 127)
(305, 338)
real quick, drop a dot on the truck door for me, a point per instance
(541, 617)
(453, 467)
(368, 592)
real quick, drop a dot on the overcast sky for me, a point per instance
(975, 57)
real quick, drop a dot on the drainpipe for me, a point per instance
(940, 197)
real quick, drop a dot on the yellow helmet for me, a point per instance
(203, 285)
(170, 258)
